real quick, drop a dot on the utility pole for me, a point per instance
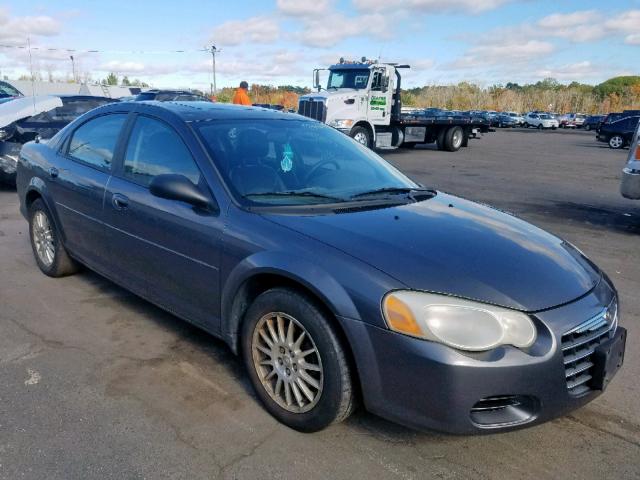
(214, 50)
(73, 68)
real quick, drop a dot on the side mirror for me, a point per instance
(316, 79)
(178, 187)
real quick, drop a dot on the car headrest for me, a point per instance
(252, 146)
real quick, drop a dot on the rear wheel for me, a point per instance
(50, 254)
(453, 139)
(616, 141)
(587, 127)
(361, 135)
(295, 361)
(525, 125)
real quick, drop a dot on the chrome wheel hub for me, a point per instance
(43, 238)
(287, 362)
(457, 138)
(360, 138)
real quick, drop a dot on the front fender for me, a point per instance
(297, 269)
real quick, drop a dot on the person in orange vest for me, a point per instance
(241, 97)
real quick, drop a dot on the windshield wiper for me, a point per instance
(293, 193)
(391, 191)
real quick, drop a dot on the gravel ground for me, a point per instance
(96, 383)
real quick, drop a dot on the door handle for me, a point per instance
(53, 172)
(119, 201)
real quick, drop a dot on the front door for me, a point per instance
(165, 250)
(379, 98)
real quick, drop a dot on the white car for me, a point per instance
(540, 121)
(630, 185)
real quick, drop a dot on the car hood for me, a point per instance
(24, 107)
(458, 247)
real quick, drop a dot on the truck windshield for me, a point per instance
(340, 78)
(289, 162)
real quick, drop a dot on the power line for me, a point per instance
(126, 52)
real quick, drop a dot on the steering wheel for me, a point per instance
(314, 170)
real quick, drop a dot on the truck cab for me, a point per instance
(358, 99)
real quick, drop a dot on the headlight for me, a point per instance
(458, 323)
(341, 123)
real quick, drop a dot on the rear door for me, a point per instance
(77, 185)
(165, 250)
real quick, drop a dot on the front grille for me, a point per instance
(579, 344)
(313, 109)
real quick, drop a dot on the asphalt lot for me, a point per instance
(96, 383)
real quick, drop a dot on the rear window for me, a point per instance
(94, 142)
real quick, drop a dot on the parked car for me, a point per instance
(592, 122)
(8, 92)
(618, 134)
(630, 184)
(171, 96)
(540, 121)
(518, 118)
(24, 118)
(332, 274)
(572, 120)
(504, 120)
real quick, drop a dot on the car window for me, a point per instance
(72, 108)
(95, 141)
(155, 148)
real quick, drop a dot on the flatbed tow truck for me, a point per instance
(363, 100)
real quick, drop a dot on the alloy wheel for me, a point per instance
(43, 238)
(287, 362)
(616, 141)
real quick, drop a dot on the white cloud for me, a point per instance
(633, 39)
(303, 8)
(330, 30)
(261, 29)
(502, 53)
(430, 6)
(15, 30)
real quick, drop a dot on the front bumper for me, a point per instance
(426, 385)
(630, 185)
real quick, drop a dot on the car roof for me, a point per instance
(202, 111)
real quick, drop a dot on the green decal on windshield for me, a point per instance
(287, 158)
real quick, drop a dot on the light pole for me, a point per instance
(214, 50)
(73, 67)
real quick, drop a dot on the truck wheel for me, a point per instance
(408, 146)
(296, 362)
(465, 139)
(440, 141)
(361, 135)
(453, 139)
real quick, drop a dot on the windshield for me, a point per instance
(545, 116)
(348, 78)
(7, 90)
(295, 162)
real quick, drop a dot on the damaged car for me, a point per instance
(22, 119)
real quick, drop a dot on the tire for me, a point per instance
(525, 125)
(465, 140)
(453, 139)
(553, 128)
(332, 397)
(440, 140)
(616, 142)
(408, 146)
(539, 127)
(587, 127)
(51, 256)
(361, 135)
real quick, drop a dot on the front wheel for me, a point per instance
(295, 361)
(362, 136)
(539, 126)
(48, 250)
(616, 142)
(525, 125)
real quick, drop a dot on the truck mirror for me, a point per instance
(316, 79)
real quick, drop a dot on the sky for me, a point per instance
(279, 42)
